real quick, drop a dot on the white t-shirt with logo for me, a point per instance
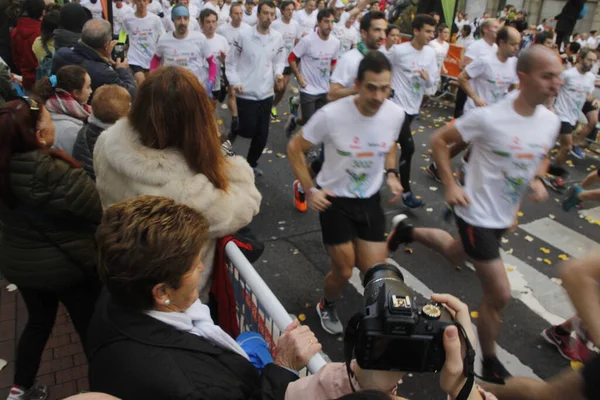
(385, 51)
(188, 53)
(346, 69)
(441, 51)
(143, 37)
(251, 19)
(409, 87)
(573, 93)
(479, 49)
(491, 78)
(507, 149)
(355, 145)
(95, 9)
(348, 37)
(224, 14)
(118, 15)
(317, 55)
(290, 32)
(230, 33)
(307, 21)
(215, 46)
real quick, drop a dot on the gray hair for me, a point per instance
(487, 22)
(96, 33)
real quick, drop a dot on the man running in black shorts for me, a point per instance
(358, 133)
(510, 141)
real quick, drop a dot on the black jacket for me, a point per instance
(83, 150)
(65, 38)
(134, 356)
(566, 20)
(100, 71)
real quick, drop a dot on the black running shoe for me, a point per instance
(401, 233)
(493, 371)
(433, 172)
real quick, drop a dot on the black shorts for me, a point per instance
(136, 68)
(347, 219)
(287, 71)
(310, 103)
(480, 244)
(587, 107)
(591, 383)
(566, 128)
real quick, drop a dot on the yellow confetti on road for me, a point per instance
(547, 261)
(520, 214)
(589, 219)
(576, 365)
(408, 250)
(474, 314)
(551, 216)
(418, 197)
(458, 268)
(510, 269)
(219, 122)
(545, 250)
(529, 238)
(563, 257)
(302, 317)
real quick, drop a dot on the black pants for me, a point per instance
(459, 104)
(42, 306)
(407, 150)
(254, 117)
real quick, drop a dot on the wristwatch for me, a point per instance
(393, 171)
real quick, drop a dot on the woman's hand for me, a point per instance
(296, 347)
(452, 378)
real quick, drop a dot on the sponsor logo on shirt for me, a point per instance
(364, 154)
(344, 153)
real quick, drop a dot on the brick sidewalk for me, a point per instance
(63, 367)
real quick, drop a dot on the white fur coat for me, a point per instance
(126, 169)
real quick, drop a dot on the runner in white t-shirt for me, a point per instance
(347, 35)
(319, 53)
(183, 47)
(144, 29)
(441, 47)
(231, 31)
(95, 7)
(216, 45)
(156, 8)
(224, 12)
(249, 15)
(120, 9)
(511, 141)
(193, 26)
(358, 134)
(307, 17)
(291, 32)
(211, 5)
(578, 87)
(392, 38)
(414, 69)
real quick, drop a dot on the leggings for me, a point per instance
(407, 145)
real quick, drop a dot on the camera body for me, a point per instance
(118, 52)
(396, 333)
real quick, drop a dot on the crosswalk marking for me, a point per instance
(593, 213)
(561, 237)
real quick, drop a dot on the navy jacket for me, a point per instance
(100, 71)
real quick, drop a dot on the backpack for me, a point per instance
(44, 69)
(583, 11)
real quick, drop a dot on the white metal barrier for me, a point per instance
(258, 309)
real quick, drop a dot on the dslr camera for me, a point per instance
(395, 333)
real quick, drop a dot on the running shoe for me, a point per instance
(401, 232)
(562, 343)
(36, 392)
(330, 321)
(294, 101)
(257, 172)
(572, 199)
(273, 113)
(577, 152)
(290, 126)
(433, 172)
(493, 371)
(557, 184)
(411, 201)
(299, 198)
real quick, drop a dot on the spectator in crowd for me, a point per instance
(7, 90)
(545, 39)
(22, 37)
(170, 146)
(66, 96)
(7, 22)
(72, 18)
(49, 206)
(565, 21)
(151, 338)
(465, 38)
(332, 380)
(44, 44)
(110, 103)
(93, 53)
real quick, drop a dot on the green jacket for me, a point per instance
(47, 240)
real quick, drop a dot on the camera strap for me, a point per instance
(350, 338)
(468, 366)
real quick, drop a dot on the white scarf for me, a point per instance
(197, 321)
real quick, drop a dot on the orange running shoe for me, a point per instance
(299, 198)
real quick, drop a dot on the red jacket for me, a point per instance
(22, 38)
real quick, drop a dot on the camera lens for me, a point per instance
(380, 275)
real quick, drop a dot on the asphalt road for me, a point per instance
(295, 261)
